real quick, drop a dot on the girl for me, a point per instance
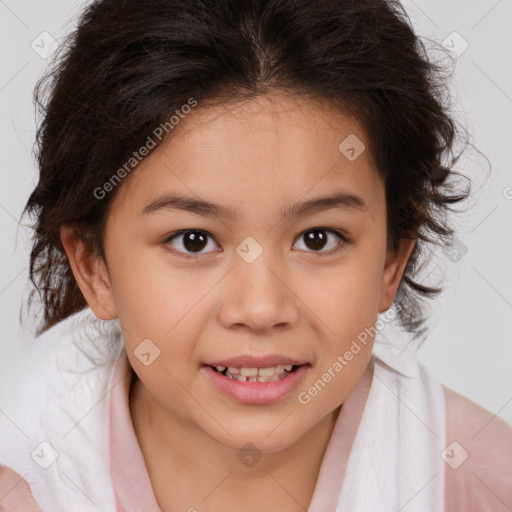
(230, 194)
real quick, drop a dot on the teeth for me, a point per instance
(244, 374)
(271, 374)
(240, 378)
(256, 372)
(249, 372)
(267, 372)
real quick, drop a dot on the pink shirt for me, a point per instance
(482, 483)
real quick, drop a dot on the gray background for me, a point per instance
(470, 345)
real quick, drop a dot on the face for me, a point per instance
(272, 271)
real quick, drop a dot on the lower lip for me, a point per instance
(256, 392)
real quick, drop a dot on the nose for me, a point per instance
(258, 298)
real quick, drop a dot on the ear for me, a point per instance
(90, 272)
(393, 271)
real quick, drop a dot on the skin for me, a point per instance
(256, 157)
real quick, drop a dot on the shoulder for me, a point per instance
(15, 493)
(478, 456)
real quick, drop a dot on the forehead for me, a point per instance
(275, 148)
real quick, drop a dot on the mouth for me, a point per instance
(257, 384)
(244, 374)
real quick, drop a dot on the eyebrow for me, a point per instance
(343, 200)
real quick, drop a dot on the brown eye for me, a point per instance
(318, 238)
(194, 241)
(189, 242)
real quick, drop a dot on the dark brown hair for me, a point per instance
(130, 64)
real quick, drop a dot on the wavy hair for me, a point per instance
(129, 64)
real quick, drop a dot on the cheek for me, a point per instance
(169, 307)
(346, 303)
(348, 314)
(346, 297)
(156, 302)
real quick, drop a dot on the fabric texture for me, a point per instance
(55, 424)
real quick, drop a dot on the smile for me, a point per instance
(255, 385)
(244, 374)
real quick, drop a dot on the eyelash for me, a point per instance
(345, 240)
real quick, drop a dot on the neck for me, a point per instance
(210, 476)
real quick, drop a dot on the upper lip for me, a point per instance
(257, 362)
